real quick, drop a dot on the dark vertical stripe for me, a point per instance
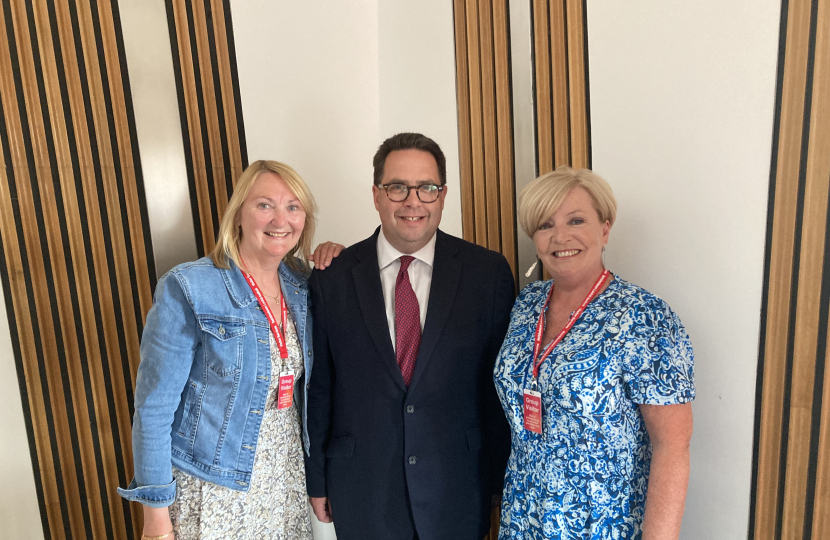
(237, 96)
(551, 97)
(200, 100)
(136, 161)
(220, 109)
(82, 347)
(567, 84)
(587, 83)
(188, 151)
(802, 181)
(533, 88)
(5, 275)
(762, 340)
(818, 382)
(30, 158)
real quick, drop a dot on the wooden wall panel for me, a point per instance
(485, 125)
(201, 34)
(561, 82)
(77, 266)
(790, 468)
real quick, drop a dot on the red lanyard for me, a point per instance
(540, 326)
(278, 334)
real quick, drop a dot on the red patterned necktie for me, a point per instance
(407, 321)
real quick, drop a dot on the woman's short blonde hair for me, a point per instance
(230, 233)
(542, 197)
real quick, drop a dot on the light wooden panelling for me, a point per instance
(77, 265)
(790, 470)
(560, 78)
(201, 35)
(485, 125)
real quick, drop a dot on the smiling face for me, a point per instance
(570, 242)
(410, 224)
(271, 219)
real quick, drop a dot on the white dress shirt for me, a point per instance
(420, 276)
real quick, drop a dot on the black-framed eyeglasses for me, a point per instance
(397, 192)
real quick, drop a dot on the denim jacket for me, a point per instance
(204, 377)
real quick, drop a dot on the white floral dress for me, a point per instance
(274, 507)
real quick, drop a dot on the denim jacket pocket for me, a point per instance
(188, 412)
(222, 342)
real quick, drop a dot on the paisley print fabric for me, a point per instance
(274, 508)
(585, 476)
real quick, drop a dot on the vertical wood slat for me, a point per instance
(577, 87)
(560, 78)
(818, 173)
(229, 88)
(488, 102)
(464, 121)
(790, 495)
(215, 151)
(541, 71)
(504, 123)
(485, 125)
(476, 122)
(77, 265)
(560, 109)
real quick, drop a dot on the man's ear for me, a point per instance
(375, 194)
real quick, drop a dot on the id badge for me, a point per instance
(286, 391)
(533, 411)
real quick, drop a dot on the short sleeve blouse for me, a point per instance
(586, 475)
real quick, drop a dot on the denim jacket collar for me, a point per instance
(242, 294)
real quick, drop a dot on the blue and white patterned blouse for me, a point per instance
(585, 476)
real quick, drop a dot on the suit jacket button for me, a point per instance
(410, 409)
(412, 460)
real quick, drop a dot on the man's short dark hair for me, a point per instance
(409, 141)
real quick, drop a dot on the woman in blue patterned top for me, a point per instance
(596, 378)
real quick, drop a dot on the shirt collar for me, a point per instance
(388, 254)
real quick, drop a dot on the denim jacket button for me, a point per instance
(221, 330)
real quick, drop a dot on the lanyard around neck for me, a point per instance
(279, 334)
(540, 326)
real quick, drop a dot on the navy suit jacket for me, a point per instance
(428, 457)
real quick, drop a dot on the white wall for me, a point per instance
(682, 97)
(324, 83)
(19, 512)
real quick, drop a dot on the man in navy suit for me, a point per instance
(408, 439)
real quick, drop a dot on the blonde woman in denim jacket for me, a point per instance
(217, 447)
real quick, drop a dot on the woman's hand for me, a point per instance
(322, 508)
(157, 522)
(670, 430)
(325, 253)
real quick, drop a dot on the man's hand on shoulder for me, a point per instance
(325, 253)
(322, 508)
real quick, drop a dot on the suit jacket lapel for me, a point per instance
(446, 271)
(369, 291)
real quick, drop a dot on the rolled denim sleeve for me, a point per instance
(168, 346)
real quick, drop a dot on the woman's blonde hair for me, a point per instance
(230, 233)
(543, 196)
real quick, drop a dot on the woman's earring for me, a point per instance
(532, 268)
